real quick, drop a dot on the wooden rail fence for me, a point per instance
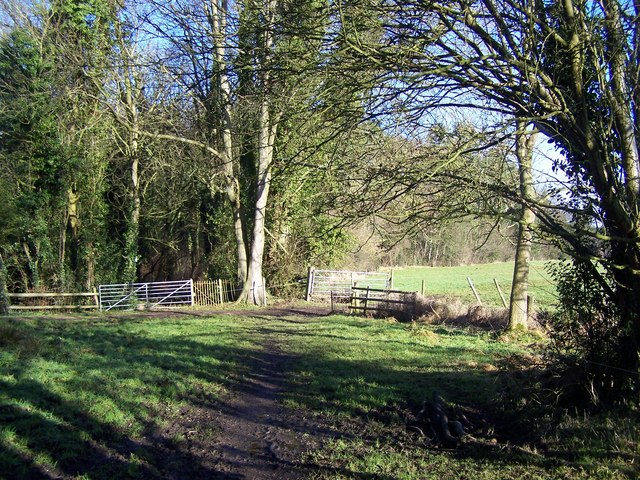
(372, 300)
(54, 301)
(208, 292)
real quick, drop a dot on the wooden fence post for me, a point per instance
(95, 297)
(504, 302)
(310, 273)
(366, 300)
(475, 292)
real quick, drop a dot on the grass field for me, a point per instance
(452, 281)
(80, 395)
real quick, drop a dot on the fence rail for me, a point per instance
(372, 300)
(53, 301)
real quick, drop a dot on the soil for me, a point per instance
(247, 432)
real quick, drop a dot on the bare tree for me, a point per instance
(569, 69)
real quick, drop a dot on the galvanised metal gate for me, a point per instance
(131, 296)
(323, 284)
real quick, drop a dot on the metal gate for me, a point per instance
(131, 296)
(328, 283)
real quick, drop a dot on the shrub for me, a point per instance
(585, 331)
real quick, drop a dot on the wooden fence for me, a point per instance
(213, 292)
(54, 301)
(375, 300)
(209, 292)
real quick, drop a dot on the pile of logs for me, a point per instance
(444, 426)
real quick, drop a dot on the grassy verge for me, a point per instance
(452, 281)
(368, 376)
(74, 391)
(81, 397)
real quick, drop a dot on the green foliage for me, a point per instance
(587, 331)
(46, 158)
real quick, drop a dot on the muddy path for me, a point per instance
(247, 432)
(256, 436)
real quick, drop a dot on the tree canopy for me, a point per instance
(150, 140)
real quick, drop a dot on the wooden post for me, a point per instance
(310, 272)
(529, 306)
(366, 300)
(504, 302)
(422, 288)
(332, 309)
(391, 280)
(351, 302)
(264, 292)
(95, 297)
(475, 292)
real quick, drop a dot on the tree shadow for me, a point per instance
(196, 374)
(55, 429)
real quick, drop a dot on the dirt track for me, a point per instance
(247, 433)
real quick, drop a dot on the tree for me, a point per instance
(4, 297)
(241, 69)
(54, 142)
(519, 299)
(571, 70)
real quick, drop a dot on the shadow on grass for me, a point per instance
(99, 398)
(111, 395)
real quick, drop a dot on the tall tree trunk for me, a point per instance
(518, 305)
(217, 12)
(132, 233)
(73, 217)
(90, 278)
(131, 92)
(254, 290)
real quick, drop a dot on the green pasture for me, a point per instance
(81, 395)
(452, 281)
